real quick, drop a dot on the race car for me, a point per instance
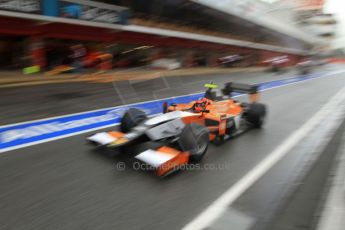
(181, 134)
(276, 64)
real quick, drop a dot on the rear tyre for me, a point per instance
(256, 114)
(132, 118)
(305, 72)
(194, 139)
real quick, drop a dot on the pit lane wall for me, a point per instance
(24, 134)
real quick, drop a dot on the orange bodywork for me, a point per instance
(218, 111)
(181, 106)
(116, 134)
(178, 159)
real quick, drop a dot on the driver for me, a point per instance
(201, 104)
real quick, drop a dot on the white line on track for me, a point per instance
(219, 206)
(333, 210)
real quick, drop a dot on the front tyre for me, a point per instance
(194, 139)
(132, 118)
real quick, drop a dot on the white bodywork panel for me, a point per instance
(171, 128)
(102, 138)
(238, 121)
(167, 117)
(154, 158)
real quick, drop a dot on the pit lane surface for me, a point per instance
(21, 103)
(64, 185)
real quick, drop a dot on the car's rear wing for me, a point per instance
(232, 87)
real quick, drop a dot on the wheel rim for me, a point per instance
(202, 145)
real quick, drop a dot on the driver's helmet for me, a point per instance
(201, 104)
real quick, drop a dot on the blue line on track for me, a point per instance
(23, 134)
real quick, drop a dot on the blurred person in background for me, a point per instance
(78, 52)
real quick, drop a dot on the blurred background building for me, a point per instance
(160, 34)
(337, 9)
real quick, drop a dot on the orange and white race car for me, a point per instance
(183, 132)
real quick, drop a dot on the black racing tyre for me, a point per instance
(194, 139)
(275, 69)
(256, 114)
(131, 118)
(305, 72)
